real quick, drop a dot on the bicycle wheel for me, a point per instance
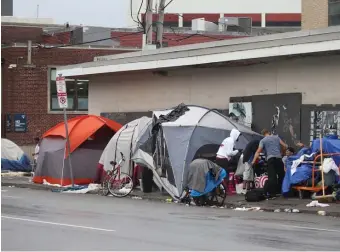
(120, 185)
(105, 188)
(218, 196)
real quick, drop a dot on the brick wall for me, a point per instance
(172, 39)
(18, 34)
(314, 14)
(24, 90)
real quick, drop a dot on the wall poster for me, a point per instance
(241, 112)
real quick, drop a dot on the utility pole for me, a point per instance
(148, 22)
(160, 24)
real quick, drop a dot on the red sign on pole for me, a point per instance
(61, 91)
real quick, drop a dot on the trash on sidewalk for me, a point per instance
(82, 190)
(14, 174)
(322, 213)
(136, 198)
(169, 200)
(246, 209)
(296, 211)
(56, 185)
(316, 203)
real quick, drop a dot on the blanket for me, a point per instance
(198, 169)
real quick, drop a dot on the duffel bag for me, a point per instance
(255, 195)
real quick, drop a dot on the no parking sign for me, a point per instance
(62, 100)
(61, 91)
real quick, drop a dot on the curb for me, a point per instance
(227, 205)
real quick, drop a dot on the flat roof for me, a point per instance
(290, 43)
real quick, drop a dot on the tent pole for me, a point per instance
(68, 146)
(62, 171)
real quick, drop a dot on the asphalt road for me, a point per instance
(41, 220)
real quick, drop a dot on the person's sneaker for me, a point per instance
(244, 191)
(270, 197)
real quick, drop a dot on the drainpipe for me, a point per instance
(29, 52)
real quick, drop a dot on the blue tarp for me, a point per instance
(21, 165)
(329, 145)
(211, 183)
(304, 171)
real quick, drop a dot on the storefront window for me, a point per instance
(333, 12)
(77, 93)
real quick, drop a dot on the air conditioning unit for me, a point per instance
(200, 24)
(235, 24)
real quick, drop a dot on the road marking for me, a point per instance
(9, 196)
(4, 190)
(58, 224)
(311, 228)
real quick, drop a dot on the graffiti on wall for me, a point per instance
(325, 122)
(279, 113)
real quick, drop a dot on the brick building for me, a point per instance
(320, 13)
(170, 38)
(28, 85)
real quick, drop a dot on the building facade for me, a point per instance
(29, 99)
(6, 7)
(264, 13)
(320, 13)
(294, 75)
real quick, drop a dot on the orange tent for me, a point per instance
(88, 135)
(80, 128)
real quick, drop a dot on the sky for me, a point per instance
(106, 13)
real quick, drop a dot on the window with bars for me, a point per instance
(77, 93)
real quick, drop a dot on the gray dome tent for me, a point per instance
(177, 136)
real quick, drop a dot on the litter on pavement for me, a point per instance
(316, 203)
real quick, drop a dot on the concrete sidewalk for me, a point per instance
(231, 202)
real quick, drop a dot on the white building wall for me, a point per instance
(317, 78)
(221, 6)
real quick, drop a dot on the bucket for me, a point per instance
(231, 183)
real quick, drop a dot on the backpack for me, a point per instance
(255, 195)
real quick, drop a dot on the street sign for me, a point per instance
(20, 123)
(61, 92)
(62, 100)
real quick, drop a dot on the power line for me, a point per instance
(168, 4)
(139, 10)
(94, 41)
(131, 14)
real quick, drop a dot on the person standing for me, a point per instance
(271, 145)
(248, 155)
(226, 155)
(36, 152)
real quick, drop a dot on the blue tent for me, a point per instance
(13, 158)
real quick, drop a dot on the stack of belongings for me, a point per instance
(299, 172)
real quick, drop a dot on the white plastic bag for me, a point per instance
(329, 164)
(240, 167)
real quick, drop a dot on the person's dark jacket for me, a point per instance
(250, 150)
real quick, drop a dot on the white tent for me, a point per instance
(125, 141)
(12, 157)
(178, 137)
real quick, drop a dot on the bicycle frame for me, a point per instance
(116, 167)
